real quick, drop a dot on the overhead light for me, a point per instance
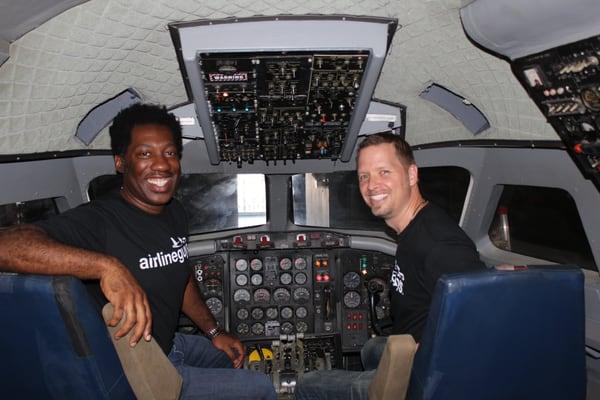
(461, 108)
(102, 115)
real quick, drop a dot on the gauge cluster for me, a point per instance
(262, 293)
(271, 293)
(209, 272)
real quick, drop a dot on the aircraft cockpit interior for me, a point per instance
(499, 100)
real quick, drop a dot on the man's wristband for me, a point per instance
(214, 332)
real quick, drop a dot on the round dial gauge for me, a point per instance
(591, 99)
(241, 295)
(300, 263)
(352, 299)
(281, 295)
(257, 313)
(242, 329)
(285, 279)
(262, 295)
(258, 329)
(301, 294)
(241, 265)
(256, 264)
(301, 326)
(351, 280)
(287, 312)
(300, 278)
(214, 305)
(256, 279)
(272, 313)
(242, 313)
(287, 328)
(301, 312)
(285, 264)
(241, 280)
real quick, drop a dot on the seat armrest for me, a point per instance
(148, 370)
(393, 372)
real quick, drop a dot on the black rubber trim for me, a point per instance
(52, 155)
(67, 307)
(495, 143)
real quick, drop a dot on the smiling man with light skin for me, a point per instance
(130, 247)
(388, 184)
(430, 244)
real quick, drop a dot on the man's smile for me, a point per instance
(159, 182)
(376, 198)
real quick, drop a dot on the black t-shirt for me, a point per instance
(152, 247)
(430, 246)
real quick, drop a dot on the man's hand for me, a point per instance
(232, 346)
(129, 301)
(54, 258)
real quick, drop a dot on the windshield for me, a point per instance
(333, 200)
(213, 202)
(216, 202)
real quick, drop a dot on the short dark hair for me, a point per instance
(142, 114)
(403, 149)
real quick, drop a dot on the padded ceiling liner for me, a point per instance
(58, 72)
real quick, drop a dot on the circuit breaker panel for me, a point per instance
(280, 106)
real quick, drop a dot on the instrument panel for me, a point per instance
(271, 293)
(263, 287)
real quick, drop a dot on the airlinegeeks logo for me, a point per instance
(161, 259)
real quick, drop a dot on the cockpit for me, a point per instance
(499, 100)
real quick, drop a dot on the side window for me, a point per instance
(445, 186)
(103, 184)
(24, 212)
(543, 223)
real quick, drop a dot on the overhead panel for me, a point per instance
(282, 88)
(565, 84)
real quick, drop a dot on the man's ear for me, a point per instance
(413, 174)
(119, 164)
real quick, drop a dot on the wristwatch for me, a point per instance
(214, 332)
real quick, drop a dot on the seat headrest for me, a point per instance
(504, 335)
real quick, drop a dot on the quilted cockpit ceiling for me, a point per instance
(89, 53)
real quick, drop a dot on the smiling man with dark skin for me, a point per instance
(130, 247)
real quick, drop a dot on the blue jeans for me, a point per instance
(340, 384)
(208, 374)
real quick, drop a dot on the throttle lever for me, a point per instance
(327, 302)
(373, 289)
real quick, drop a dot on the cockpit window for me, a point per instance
(334, 200)
(543, 223)
(216, 202)
(213, 202)
(23, 212)
(331, 200)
